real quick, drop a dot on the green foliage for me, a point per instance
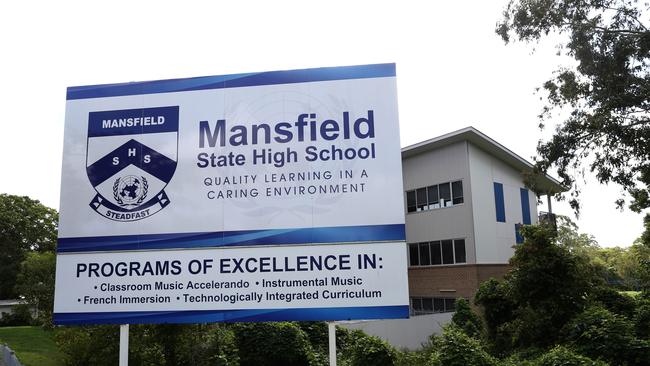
(317, 333)
(612, 300)
(498, 310)
(281, 343)
(35, 282)
(600, 334)
(25, 225)
(561, 356)
(149, 345)
(545, 288)
(605, 96)
(455, 348)
(98, 345)
(466, 320)
(364, 350)
(642, 319)
(21, 314)
(185, 344)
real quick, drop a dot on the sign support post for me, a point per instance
(331, 330)
(124, 345)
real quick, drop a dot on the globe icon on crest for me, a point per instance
(130, 190)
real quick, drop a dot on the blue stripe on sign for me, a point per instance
(340, 234)
(525, 206)
(499, 202)
(232, 81)
(256, 315)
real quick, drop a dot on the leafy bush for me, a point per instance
(455, 348)
(280, 343)
(98, 345)
(21, 314)
(642, 319)
(561, 356)
(598, 333)
(369, 350)
(613, 300)
(466, 319)
(149, 345)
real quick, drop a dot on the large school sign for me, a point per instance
(251, 197)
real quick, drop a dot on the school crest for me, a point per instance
(130, 159)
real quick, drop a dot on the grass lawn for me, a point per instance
(33, 345)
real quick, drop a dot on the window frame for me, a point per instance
(433, 204)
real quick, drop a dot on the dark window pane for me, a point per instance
(433, 195)
(417, 304)
(427, 305)
(425, 257)
(499, 202)
(459, 245)
(445, 194)
(447, 252)
(422, 199)
(410, 201)
(438, 305)
(413, 255)
(457, 192)
(450, 304)
(435, 253)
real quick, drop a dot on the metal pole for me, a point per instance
(124, 345)
(549, 198)
(331, 330)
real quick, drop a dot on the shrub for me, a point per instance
(363, 349)
(561, 356)
(21, 314)
(598, 333)
(279, 343)
(455, 348)
(466, 319)
(642, 319)
(81, 346)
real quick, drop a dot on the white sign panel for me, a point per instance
(276, 165)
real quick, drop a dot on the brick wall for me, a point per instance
(451, 281)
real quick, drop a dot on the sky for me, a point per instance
(452, 71)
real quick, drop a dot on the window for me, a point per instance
(430, 305)
(459, 246)
(425, 257)
(414, 257)
(433, 197)
(457, 192)
(519, 239)
(525, 206)
(447, 252)
(450, 304)
(410, 201)
(416, 304)
(436, 196)
(422, 202)
(499, 202)
(437, 253)
(445, 195)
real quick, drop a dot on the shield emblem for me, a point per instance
(131, 157)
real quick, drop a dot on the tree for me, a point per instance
(606, 95)
(455, 348)
(546, 287)
(466, 320)
(600, 334)
(35, 282)
(25, 225)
